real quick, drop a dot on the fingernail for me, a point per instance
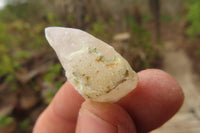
(91, 123)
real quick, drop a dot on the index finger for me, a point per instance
(61, 115)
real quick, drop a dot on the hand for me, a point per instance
(155, 100)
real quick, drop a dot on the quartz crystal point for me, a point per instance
(93, 67)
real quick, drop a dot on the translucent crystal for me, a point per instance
(93, 67)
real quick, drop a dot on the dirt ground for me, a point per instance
(178, 63)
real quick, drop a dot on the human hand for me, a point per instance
(155, 100)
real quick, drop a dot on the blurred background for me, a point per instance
(162, 34)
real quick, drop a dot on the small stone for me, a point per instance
(28, 101)
(121, 37)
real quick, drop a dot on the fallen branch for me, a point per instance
(33, 73)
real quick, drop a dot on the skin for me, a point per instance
(155, 100)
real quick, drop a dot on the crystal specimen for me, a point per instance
(93, 67)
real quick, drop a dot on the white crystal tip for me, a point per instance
(52, 31)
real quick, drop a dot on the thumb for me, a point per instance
(95, 117)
